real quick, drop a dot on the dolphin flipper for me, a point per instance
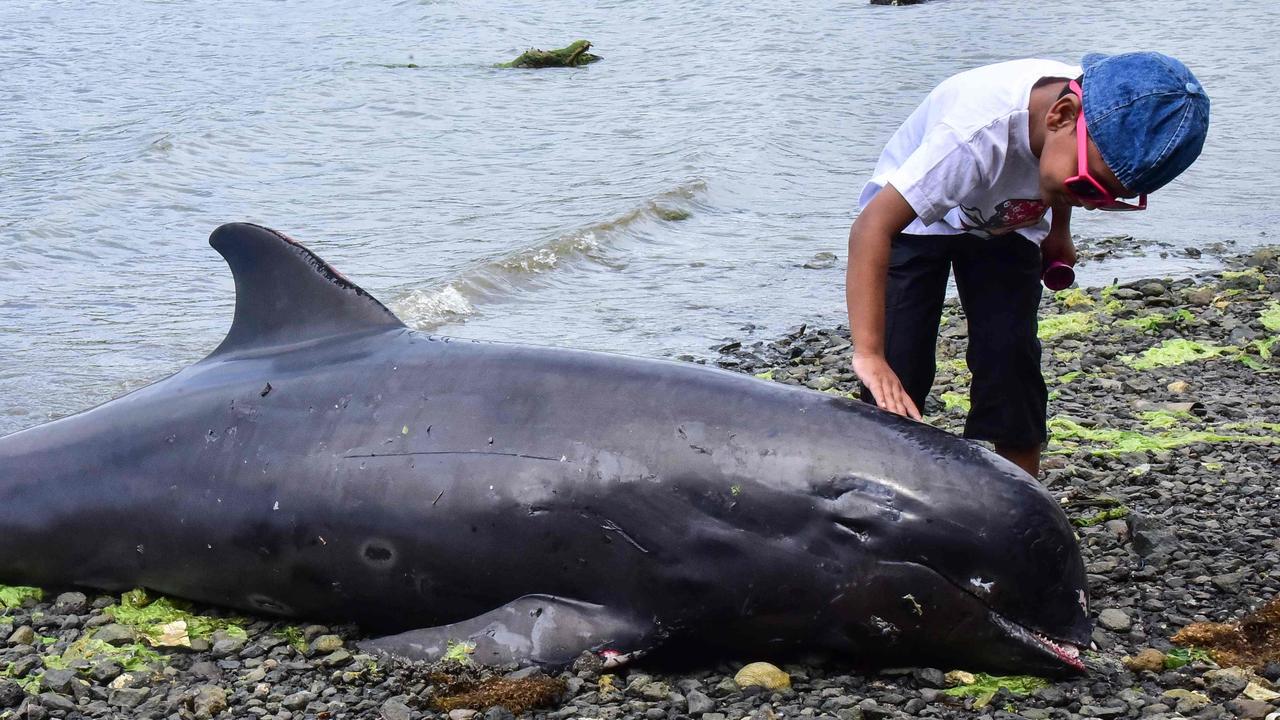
(542, 630)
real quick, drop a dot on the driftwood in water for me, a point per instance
(572, 56)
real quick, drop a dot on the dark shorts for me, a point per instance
(998, 280)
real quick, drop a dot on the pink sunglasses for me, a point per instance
(1084, 187)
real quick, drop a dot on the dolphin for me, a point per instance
(532, 503)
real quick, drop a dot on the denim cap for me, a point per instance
(1147, 114)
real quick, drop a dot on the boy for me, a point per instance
(982, 177)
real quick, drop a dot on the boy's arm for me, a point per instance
(885, 216)
(1057, 244)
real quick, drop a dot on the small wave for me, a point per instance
(507, 275)
(433, 307)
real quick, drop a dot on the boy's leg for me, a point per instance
(999, 284)
(914, 290)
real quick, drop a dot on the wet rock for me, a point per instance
(1226, 682)
(22, 635)
(1113, 619)
(1251, 709)
(71, 603)
(1149, 659)
(57, 680)
(1186, 701)
(115, 634)
(821, 261)
(498, 712)
(698, 702)
(396, 709)
(128, 697)
(208, 701)
(298, 700)
(10, 694)
(325, 644)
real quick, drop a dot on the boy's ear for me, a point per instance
(1063, 113)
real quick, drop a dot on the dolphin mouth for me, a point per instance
(1065, 652)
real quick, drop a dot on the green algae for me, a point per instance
(459, 651)
(292, 634)
(1073, 298)
(1156, 322)
(13, 596)
(1165, 419)
(1068, 377)
(955, 366)
(132, 657)
(1181, 657)
(846, 394)
(766, 375)
(1065, 325)
(984, 687)
(1176, 351)
(1115, 513)
(1109, 441)
(147, 616)
(1270, 317)
(1251, 273)
(671, 214)
(572, 55)
(955, 400)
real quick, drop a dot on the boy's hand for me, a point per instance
(1057, 245)
(879, 378)
(870, 239)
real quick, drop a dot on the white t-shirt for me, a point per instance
(963, 159)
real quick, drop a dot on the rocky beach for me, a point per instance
(1165, 436)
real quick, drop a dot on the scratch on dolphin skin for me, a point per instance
(611, 526)
(453, 452)
(433, 502)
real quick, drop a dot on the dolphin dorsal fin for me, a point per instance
(285, 294)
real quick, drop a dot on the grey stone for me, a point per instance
(326, 644)
(58, 681)
(104, 671)
(71, 603)
(498, 712)
(227, 647)
(128, 697)
(395, 709)
(929, 677)
(462, 714)
(1226, 683)
(10, 694)
(698, 702)
(1251, 709)
(298, 700)
(22, 635)
(206, 670)
(209, 700)
(1115, 620)
(115, 634)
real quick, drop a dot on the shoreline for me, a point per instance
(1165, 435)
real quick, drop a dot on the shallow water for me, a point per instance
(516, 205)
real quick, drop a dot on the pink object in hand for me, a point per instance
(1058, 275)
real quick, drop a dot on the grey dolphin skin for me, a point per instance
(327, 462)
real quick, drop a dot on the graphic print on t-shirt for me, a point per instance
(1009, 215)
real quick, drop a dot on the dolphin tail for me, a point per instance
(543, 630)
